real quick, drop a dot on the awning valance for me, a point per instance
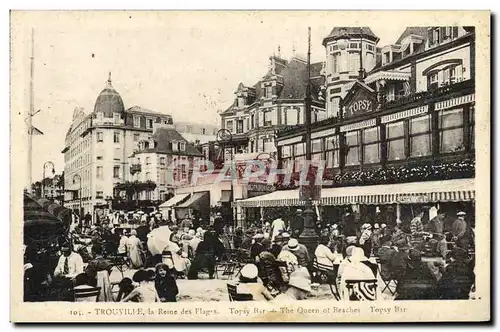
(173, 201)
(460, 190)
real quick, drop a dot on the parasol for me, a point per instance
(158, 239)
(39, 224)
(44, 202)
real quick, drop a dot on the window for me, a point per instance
(268, 92)
(99, 157)
(189, 129)
(420, 136)
(266, 118)
(116, 172)
(371, 145)
(99, 194)
(354, 62)
(352, 140)
(396, 141)
(136, 137)
(387, 57)
(162, 178)
(137, 121)
(239, 126)
(332, 152)
(117, 118)
(148, 161)
(335, 63)
(100, 137)
(116, 137)
(472, 126)
(241, 102)
(162, 161)
(451, 131)
(150, 123)
(334, 105)
(99, 174)
(148, 176)
(203, 131)
(183, 171)
(175, 146)
(433, 81)
(182, 146)
(229, 125)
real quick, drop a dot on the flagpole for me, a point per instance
(31, 111)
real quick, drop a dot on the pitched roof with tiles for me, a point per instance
(420, 31)
(163, 138)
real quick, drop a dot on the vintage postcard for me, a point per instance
(250, 166)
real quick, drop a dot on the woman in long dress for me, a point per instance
(135, 250)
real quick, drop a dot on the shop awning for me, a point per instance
(173, 201)
(195, 199)
(460, 190)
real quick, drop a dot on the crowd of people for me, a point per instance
(273, 263)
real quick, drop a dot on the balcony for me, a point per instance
(135, 168)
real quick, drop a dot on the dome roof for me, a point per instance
(109, 101)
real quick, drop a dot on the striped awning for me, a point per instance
(358, 125)
(454, 102)
(173, 201)
(460, 190)
(403, 115)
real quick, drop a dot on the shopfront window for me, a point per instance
(451, 130)
(286, 156)
(472, 127)
(353, 142)
(420, 136)
(371, 145)
(332, 152)
(396, 141)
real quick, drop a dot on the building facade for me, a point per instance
(276, 101)
(98, 146)
(408, 122)
(196, 133)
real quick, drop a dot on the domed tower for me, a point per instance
(109, 102)
(344, 47)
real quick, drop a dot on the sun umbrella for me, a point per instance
(158, 239)
(39, 224)
(54, 208)
(44, 202)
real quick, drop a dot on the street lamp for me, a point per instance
(79, 197)
(308, 237)
(223, 136)
(43, 177)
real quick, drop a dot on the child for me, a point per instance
(144, 292)
(165, 284)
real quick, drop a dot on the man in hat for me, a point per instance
(436, 227)
(458, 277)
(257, 246)
(299, 250)
(219, 223)
(299, 286)
(416, 225)
(277, 245)
(459, 229)
(297, 224)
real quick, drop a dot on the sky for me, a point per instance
(184, 64)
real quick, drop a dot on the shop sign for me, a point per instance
(413, 199)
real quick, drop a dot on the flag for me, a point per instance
(34, 131)
(406, 87)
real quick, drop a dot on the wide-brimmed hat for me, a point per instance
(293, 244)
(461, 213)
(285, 235)
(258, 236)
(249, 271)
(298, 280)
(383, 226)
(376, 226)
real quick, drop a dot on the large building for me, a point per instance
(98, 147)
(403, 134)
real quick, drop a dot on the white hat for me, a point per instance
(258, 236)
(268, 224)
(298, 280)
(358, 255)
(368, 226)
(376, 226)
(293, 244)
(383, 226)
(461, 213)
(266, 236)
(285, 234)
(249, 271)
(335, 226)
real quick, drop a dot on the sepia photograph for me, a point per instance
(317, 166)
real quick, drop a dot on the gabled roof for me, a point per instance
(163, 138)
(144, 111)
(420, 31)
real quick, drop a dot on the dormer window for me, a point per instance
(268, 92)
(137, 121)
(117, 118)
(150, 123)
(175, 146)
(182, 146)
